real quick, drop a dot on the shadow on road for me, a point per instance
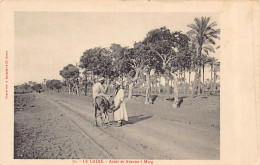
(135, 119)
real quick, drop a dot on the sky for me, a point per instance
(45, 42)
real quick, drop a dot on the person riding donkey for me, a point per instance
(100, 89)
(101, 100)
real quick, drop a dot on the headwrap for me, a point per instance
(118, 83)
(101, 78)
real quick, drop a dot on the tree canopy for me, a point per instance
(69, 72)
(54, 84)
(99, 61)
(166, 52)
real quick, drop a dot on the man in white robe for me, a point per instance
(120, 113)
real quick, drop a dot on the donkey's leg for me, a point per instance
(96, 109)
(101, 115)
(107, 117)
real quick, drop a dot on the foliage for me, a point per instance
(37, 87)
(203, 36)
(182, 59)
(143, 56)
(202, 32)
(119, 59)
(171, 49)
(70, 72)
(99, 61)
(161, 51)
(54, 84)
(24, 88)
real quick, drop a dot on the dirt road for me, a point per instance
(59, 126)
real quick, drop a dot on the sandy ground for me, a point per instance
(55, 126)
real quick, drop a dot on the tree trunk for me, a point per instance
(211, 78)
(189, 81)
(202, 87)
(86, 89)
(194, 88)
(152, 86)
(148, 89)
(107, 85)
(131, 85)
(189, 76)
(159, 84)
(199, 82)
(203, 72)
(122, 80)
(130, 94)
(214, 85)
(72, 89)
(77, 89)
(172, 85)
(197, 77)
(69, 88)
(176, 92)
(167, 86)
(184, 76)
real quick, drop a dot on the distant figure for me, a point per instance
(120, 113)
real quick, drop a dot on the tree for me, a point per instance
(119, 59)
(171, 50)
(31, 83)
(54, 84)
(100, 62)
(70, 73)
(193, 58)
(127, 63)
(203, 34)
(24, 88)
(87, 80)
(27, 88)
(134, 60)
(146, 59)
(161, 43)
(215, 70)
(37, 87)
(181, 60)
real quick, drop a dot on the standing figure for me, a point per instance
(120, 113)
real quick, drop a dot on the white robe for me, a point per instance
(120, 114)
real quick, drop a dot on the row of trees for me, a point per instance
(31, 86)
(28, 88)
(162, 53)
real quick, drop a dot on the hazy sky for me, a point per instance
(45, 42)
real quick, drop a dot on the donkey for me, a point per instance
(102, 106)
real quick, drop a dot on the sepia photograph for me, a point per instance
(100, 85)
(129, 82)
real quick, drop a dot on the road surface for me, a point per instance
(57, 126)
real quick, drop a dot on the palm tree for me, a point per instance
(203, 34)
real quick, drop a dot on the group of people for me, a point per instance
(119, 109)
